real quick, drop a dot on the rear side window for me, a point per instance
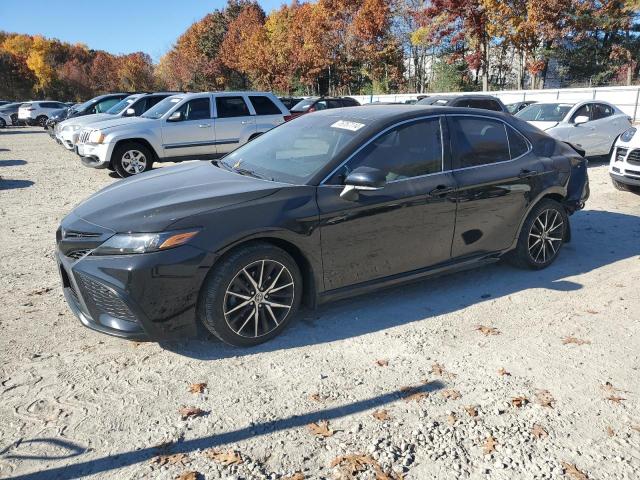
(231, 107)
(263, 105)
(600, 110)
(518, 146)
(478, 141)
(196, 109)
(483, 104)
(350, 102)
(334, 103)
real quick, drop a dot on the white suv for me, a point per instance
(624, 166)
(37, 113)
(181, 127)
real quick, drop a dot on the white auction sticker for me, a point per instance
(346, 125)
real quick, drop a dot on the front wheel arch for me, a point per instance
(133, 140)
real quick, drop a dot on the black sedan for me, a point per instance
(332, 204)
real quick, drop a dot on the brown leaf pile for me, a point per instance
(187, 412)
(471, 410)
(175, 459)
(381, 415)
(383, 362)
(544, 398)
(321, 429)
(519, 401)
(197, 387)
(539, 432)
(226, 458)
(451, 394)
(352, 465)
(573, 472)
(575, 341)
(489, 445)
(487, 330)
(191, 475)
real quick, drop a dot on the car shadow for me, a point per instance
(20, 131)
(11, 163)
(4, 150)
(14, 184)
(599, 238)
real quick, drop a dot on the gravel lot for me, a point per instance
(550, 389)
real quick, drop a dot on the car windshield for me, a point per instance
(161, 107)
(121, 106)
(544, 112)
(294, 151)
(512, 107)
(304, 105)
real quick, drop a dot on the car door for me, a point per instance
(234, 122)
(607, 127)
(585, 135)
(497, 176)
(192, 134)
(268, 115)
(406, 225)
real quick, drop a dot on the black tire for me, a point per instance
(123, 158)
(216, 306)
(2, 123)
(41, 120)
(14, 119)
(530, 253)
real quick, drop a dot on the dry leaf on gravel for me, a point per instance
(451, 394)
(226, 458)
(615, 399)
(352, 465)
(381, 415)
(316, 397)
(591, 311)
(187, 412)
(451, 419)
(321, 429)
(175, 459)
(439, 370)
(192, 475)
(295, 476)
(573, 472)
(502, 372)
(471, 410)
(635, 427)
(383, 362)
(489, 445)
(519, 401)
(544, 398)
(611, 432)
(40, 291)
(487, 330)
(539, 432)
(413, 394)
(609, 388)
(197, 387)
(574, 341)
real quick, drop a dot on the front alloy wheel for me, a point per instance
(134, 162)
(131, 158)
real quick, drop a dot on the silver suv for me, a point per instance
(182, 126)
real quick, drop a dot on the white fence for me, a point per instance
(625, 98)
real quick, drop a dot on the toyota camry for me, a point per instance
(335, 203)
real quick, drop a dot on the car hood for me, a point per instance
(152, 201)
(109, 125)
(86, 119)
(544, 125)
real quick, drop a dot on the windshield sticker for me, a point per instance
(346, 125)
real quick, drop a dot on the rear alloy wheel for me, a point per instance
(41, 120)
(542, 236)
(2, 123)
(14, 119)
(131, 159)
(251, 296)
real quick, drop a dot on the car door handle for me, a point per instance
(440, 191)
(204, 125)
(527, 173)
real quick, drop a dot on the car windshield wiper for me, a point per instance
(247, 172)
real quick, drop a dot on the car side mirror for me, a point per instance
(580, 119)
(130, 112)
(362, 179)
(175, 117)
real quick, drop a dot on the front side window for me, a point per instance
(478, 141)
(407, 151)
(121, 106)
(196, 109)
(105, 105)
(544, 112)
(263, 105)
(229, 107)
(583, 111)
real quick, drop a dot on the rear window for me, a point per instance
(263, 105)
(478, 141)
(304, 105)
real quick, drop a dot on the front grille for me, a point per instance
(632, 172)
(104, 298)
(84, 136)
(77, 254)
(620, 154)
(74, 234)
(634, 157)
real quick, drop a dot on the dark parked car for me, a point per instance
(290, 102)
(315, 104)
(11, 109)
(485, 102)
(99, 104)
(335, 203)
(514, 108)
(56, 117)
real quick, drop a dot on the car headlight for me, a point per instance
(96, 137)
(628, 135)
(130, 243)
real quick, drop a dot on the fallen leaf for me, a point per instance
(352, 465)
(502, 372)
(316, 397)
(192, 475)
(381, 415)
(383, 362)
(575, 341)
(226, 458)
(489, 445)
(610, 432)
(573, 472)
(451, 394)
(609, 388)
(321, 429)
(451, 419)
(175, 459)
(187, 412)
(615, 399)
(197, 387)
(538, 431)
(439, 370)
(635, 427)
(519, 401)
(591, 311)
(295, 476)
(471, 410)
(487, 330)
(413, 394)
(40, 291)
(544, 398)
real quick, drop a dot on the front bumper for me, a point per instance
(626, 179)
(149, 296)
(95, 155)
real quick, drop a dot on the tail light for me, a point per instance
(288, 118)
(30, 109)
